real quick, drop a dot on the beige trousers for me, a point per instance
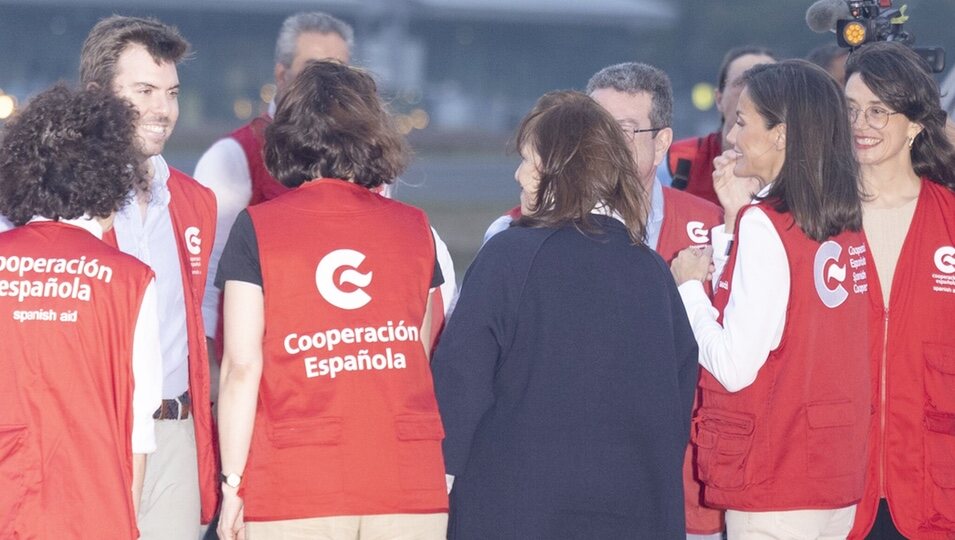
(377, 527)
(790, 524)
(169, 508)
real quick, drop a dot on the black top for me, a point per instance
(565, 380)
(240, 257)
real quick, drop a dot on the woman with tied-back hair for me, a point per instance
(81, 372)
(327, 418)
(780, 432)
(565, 375)
(908, 214)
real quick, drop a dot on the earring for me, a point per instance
(911, 141)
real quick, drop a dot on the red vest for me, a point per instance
(700, 151)
(192, 209)
(347, 422)
(795, 438)
(251, 137)
(911, 458)
(687, 221)
(66, 389)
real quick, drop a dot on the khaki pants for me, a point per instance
(790, 524)
(377, 527)
(170, 505)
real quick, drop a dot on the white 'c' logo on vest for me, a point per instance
(193, 242)
(823, 273)
(697, 232)
(325, 279)
(945, 259)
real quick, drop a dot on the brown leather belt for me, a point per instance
(174, 409)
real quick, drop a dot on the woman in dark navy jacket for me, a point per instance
(566, 374)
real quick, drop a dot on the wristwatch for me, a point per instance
(232, 479)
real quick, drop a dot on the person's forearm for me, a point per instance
(139, 474)
(238, 392)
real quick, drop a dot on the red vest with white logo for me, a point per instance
(687, 221)
(192, 208)
(795, 438)
(251, 137)
(66, 389)
(347, 422)
(700, 151)
(911, 458)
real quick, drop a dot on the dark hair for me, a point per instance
(636, 77)
(330, 123)
(734, 53)
(819, 179)
(110, 37)
(68, 154)
(824, 55)
(585, 162)
(903, 81)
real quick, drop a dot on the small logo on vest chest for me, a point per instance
(331, 291)
(697, 232)
(944, 260)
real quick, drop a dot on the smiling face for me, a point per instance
(761, 151)
(878, 146)
(528, 176)
(153, 89)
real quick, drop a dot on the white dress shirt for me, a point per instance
(147, 361)
(755, 315)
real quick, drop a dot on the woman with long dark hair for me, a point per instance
(566, 374)
(780, 432)
(908, 174)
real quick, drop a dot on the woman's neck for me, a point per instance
(890, 185)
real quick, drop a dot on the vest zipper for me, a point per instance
(882, 401)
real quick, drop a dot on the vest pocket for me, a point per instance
(723, 440)
(940, 376)
(940, 448)
(833, 444)
(306, 432)
(12, 439)
(420, 463)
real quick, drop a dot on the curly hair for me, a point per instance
(68, 154)
(585, 163)
(332, 124)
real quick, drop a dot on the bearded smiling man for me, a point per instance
(169, 224)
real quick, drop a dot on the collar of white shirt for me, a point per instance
(87, 223)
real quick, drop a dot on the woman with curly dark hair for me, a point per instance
(327, 419)
(81, 368)
(908, 215)
(566, 373)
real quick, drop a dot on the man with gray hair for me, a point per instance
(639, 97)
(234, 168)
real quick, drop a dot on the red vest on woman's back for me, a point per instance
(795, 438)
(66, 390)
(347, 422)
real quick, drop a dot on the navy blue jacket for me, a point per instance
(565, 379)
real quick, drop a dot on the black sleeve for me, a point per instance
(240, 257)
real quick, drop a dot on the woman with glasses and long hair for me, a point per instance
(780, 432)
(565, 376)
(908, 174)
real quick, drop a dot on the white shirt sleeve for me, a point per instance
(225, 170)
(498, 225)
(756, 313)
(722, 241)
(449, 289)
(147, 373)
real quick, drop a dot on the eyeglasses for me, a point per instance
(631, 133)
(877, 117)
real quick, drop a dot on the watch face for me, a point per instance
(232, 480)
